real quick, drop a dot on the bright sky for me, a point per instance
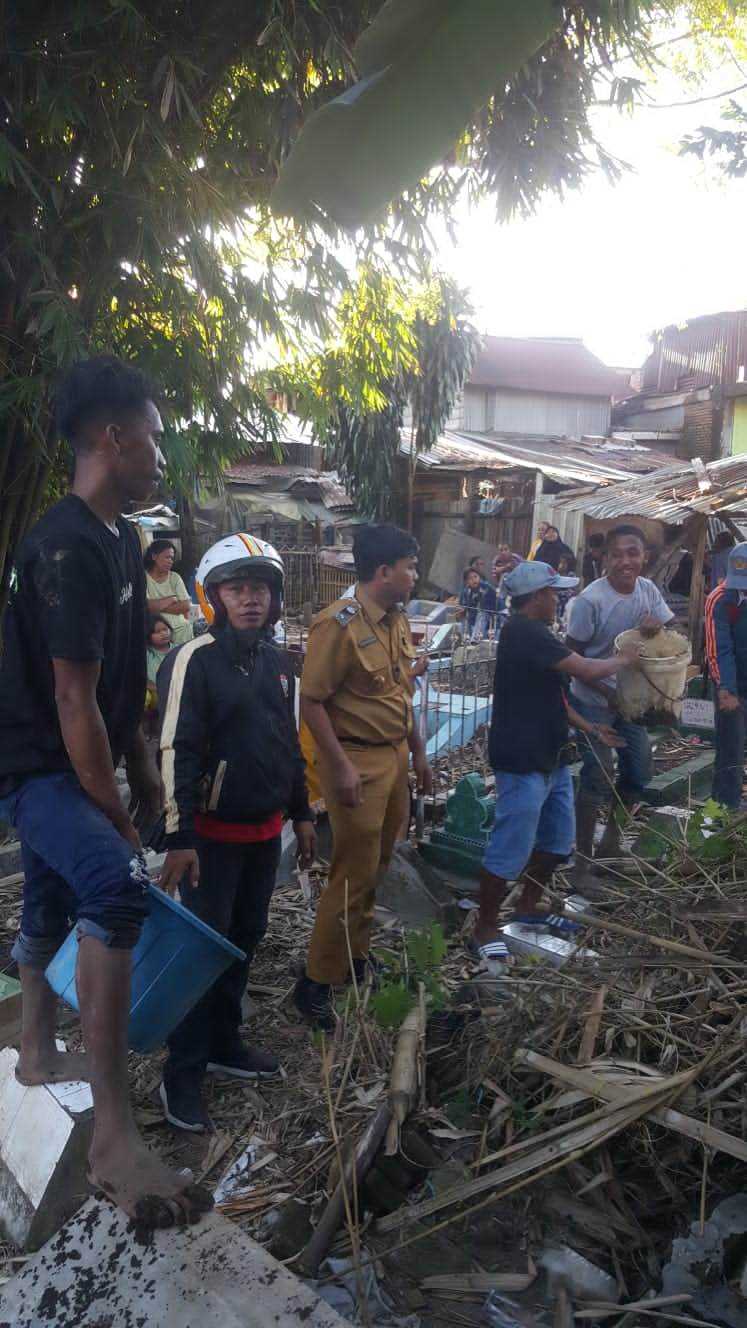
(613, 262)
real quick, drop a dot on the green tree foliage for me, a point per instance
(727, 146)
(139, 144)
(395, 345)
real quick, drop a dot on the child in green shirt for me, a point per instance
(159, 646)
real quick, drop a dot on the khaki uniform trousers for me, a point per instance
(363, 839)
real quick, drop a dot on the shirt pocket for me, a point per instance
(372, 671)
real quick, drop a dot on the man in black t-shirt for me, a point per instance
(72, 684)
(534, 824)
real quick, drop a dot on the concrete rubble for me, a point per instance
(705, 1263)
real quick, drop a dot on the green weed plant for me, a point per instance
(716, 834)
(401, 971)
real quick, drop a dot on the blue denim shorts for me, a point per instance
(531, 811)
(77, 867)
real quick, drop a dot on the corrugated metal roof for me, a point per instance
(561, 365)
(671, 495)
(567, 460)
(324, 485)
(697, 353)
(455, 451)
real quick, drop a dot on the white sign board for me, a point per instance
(697, 714)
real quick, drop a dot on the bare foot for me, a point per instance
(153, 1195)
(52, 1067)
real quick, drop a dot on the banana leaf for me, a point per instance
(428, 66)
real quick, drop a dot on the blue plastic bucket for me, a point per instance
(176, 960)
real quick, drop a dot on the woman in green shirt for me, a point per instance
(167, 593)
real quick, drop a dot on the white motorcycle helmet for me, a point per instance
(228, 559)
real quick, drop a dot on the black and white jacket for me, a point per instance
(229, 740)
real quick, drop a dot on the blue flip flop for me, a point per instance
(489, 951)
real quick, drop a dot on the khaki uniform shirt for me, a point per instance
(359, 665)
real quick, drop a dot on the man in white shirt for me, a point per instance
(615, 603)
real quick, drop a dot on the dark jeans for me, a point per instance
(76, 867)
(634, 768)
(728, 764)
(236, 884)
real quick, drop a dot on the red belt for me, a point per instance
(238, 832)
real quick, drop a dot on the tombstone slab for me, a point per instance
(415, 892)
(94, 1274)
(45, 1135)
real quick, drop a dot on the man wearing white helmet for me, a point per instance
(231, 768)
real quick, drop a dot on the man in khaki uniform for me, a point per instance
(356, 698)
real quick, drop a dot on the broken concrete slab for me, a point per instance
(415, 892)
(698, 1266)
(95, 1273)
(44, 1143)
(664, 833)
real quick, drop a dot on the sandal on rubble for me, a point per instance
(490, 952)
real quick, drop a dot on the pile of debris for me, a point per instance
(577, 1120)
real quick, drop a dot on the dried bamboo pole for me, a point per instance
(354, 1170)
(661, 942)
(592, 1083)
(580, 1138)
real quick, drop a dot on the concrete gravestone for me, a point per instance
(95, 1274)
(45, 1135)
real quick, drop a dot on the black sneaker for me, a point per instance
(313, 1000)
(244, 1063)
(363, 967)
(182, 1105)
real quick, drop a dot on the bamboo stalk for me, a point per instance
(591, 1029)
(478, 1284)
(597, 1087)
(404, 1078)
(354, 1171)
(657, 1302)
(661, 942)
(579, 1139)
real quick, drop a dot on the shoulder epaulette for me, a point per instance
(346, 614)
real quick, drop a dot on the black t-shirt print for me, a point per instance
(77, 593)
(529, 728)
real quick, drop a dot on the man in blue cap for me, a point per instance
(530, 750)
(726, 649)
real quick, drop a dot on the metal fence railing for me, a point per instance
(307, 581)
(333, 582)
(453, 706)
(301, 578)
